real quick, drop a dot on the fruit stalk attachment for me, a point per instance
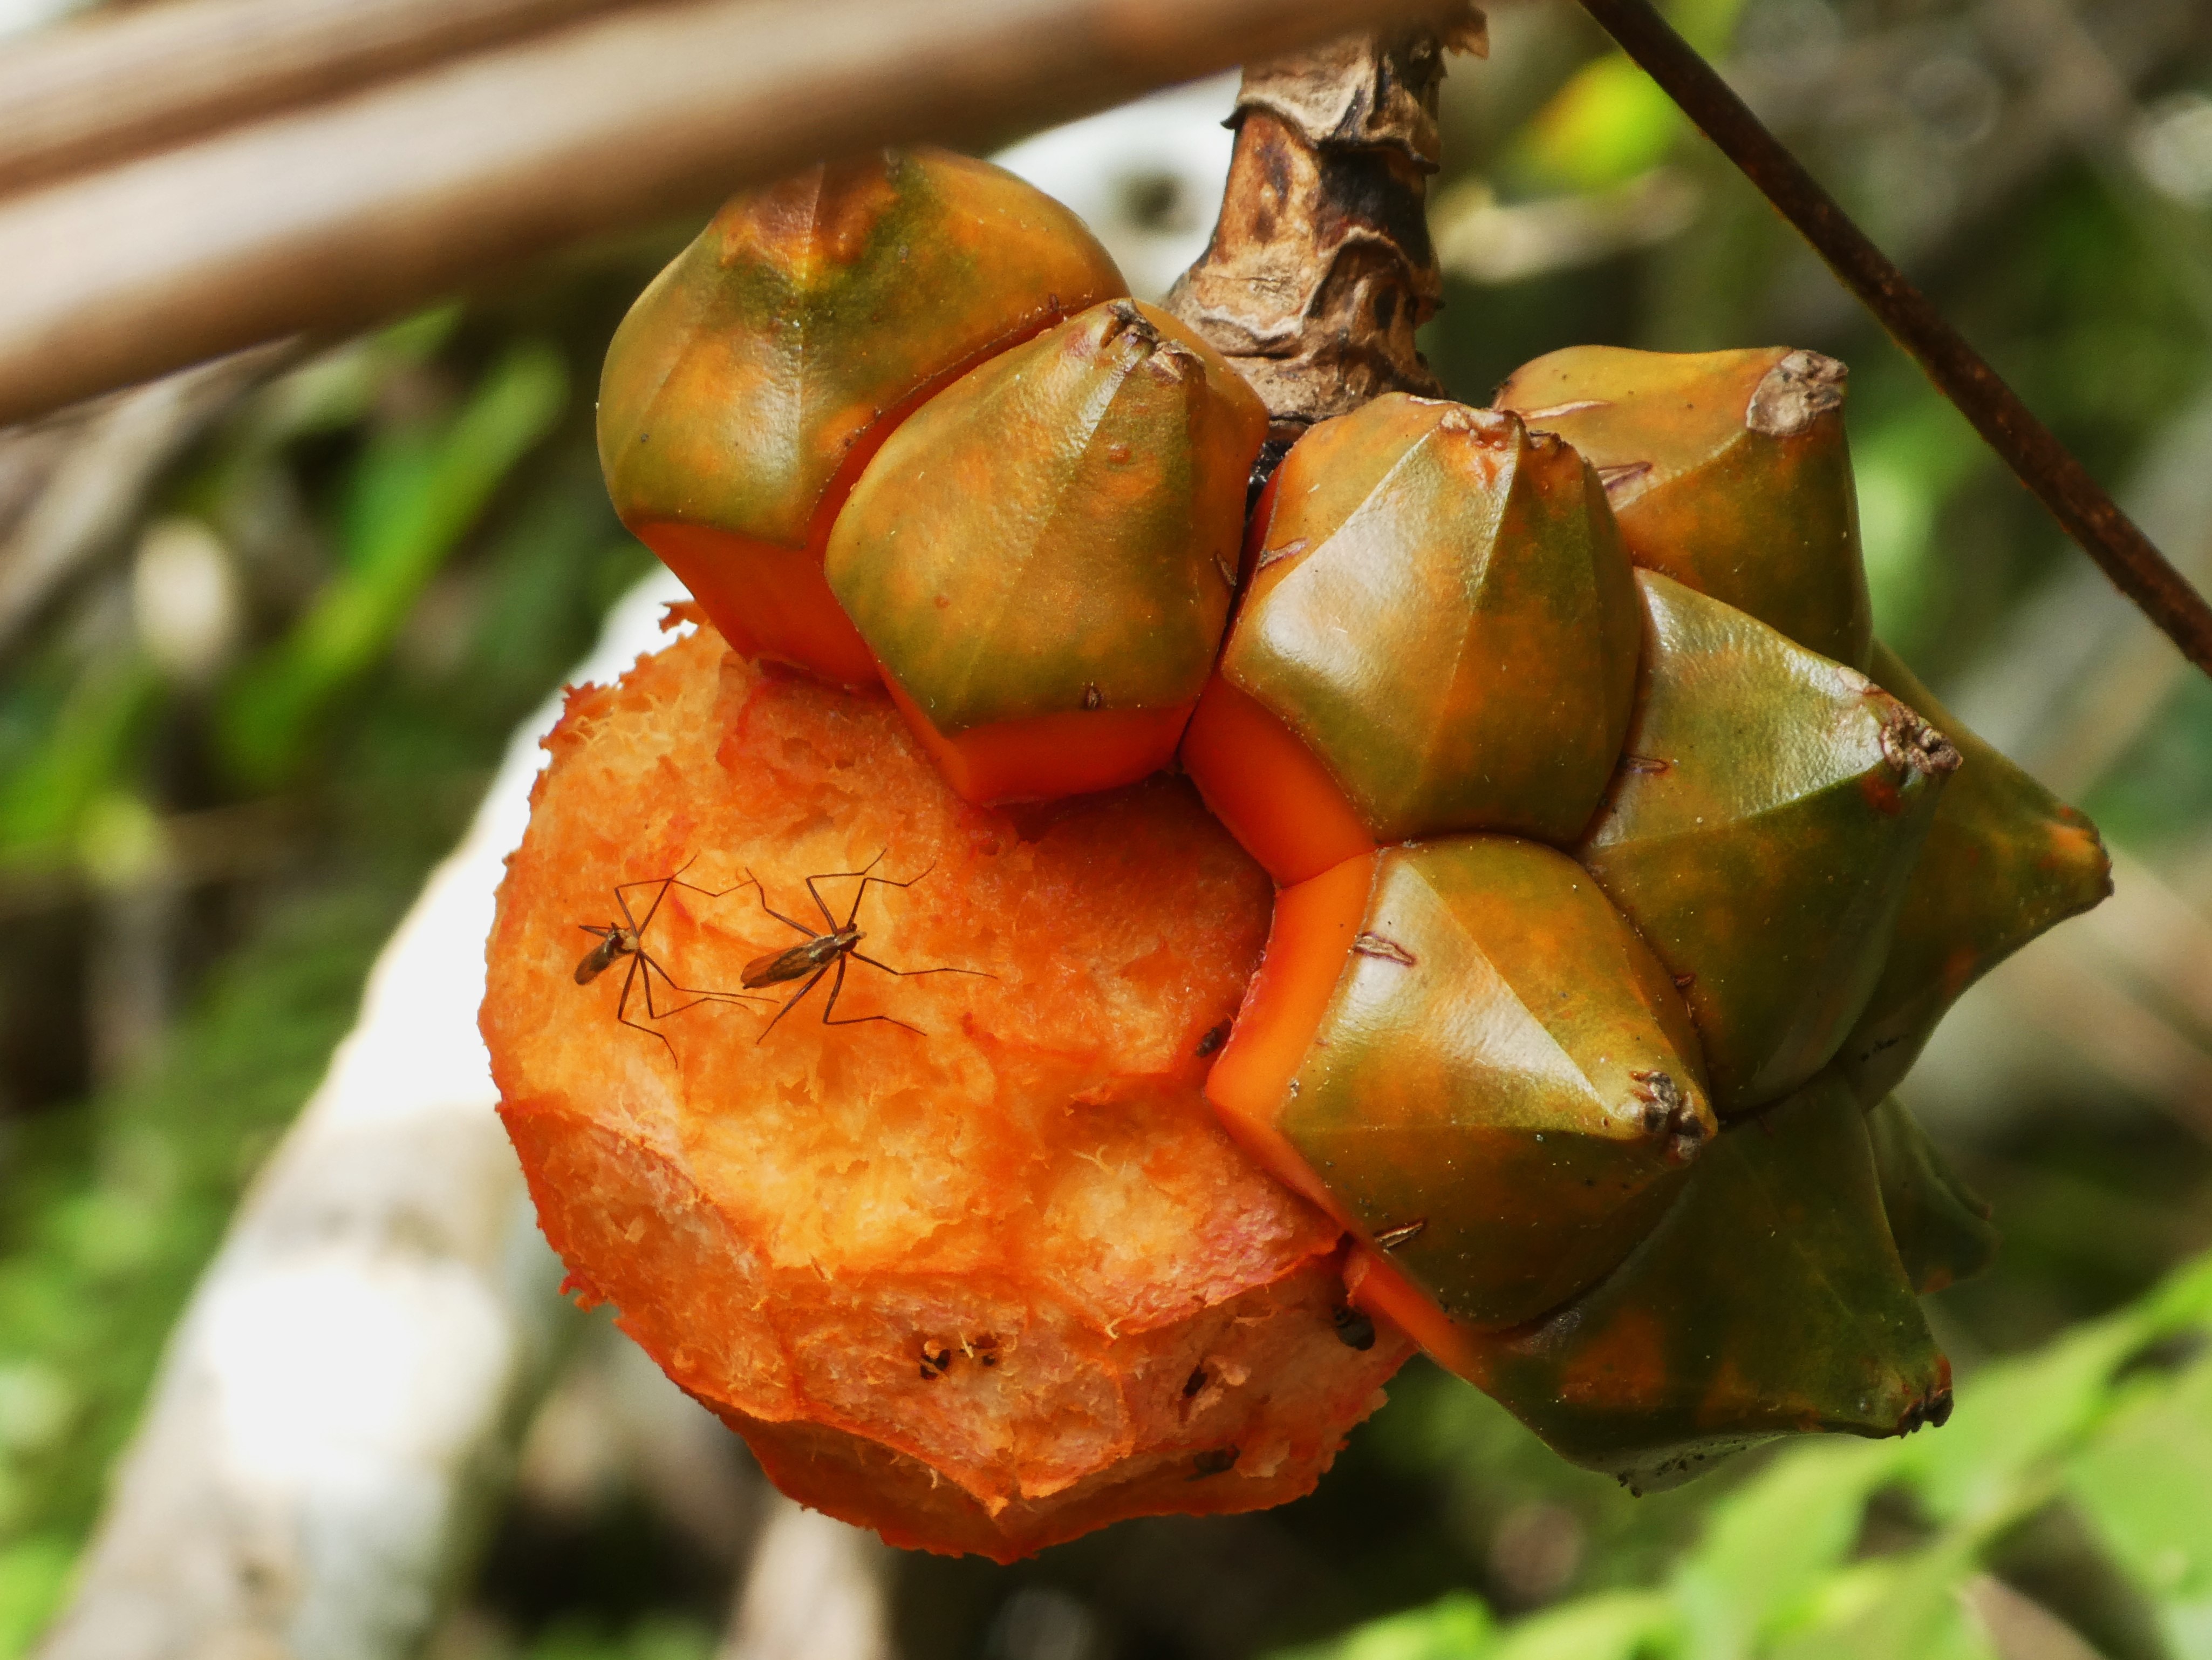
(1320, 268)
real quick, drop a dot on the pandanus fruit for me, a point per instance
(1521, 968)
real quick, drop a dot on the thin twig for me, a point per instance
(2080, 504)
(333, 217)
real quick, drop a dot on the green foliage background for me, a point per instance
(421, 548)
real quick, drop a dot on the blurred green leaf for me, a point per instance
(113, 1209)
(1907, 467)
(1778, 1575)
(1767, 1551)
(1456, 1627)
(33, 1575)
(1611, 1625)
(1611, 121)
(338, 388)
(1908, 1608)
(654, 1638)
(2144, 1485)
(415, 493)
(81, 755)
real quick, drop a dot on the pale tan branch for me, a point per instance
(329, 218)
(121, 83)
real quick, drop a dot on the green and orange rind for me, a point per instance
(753, 379)
(1437, 635)
(1942, 1227)
(1761, 833)
(2004, 860)
(1770, 1300)
(1728, 472)
(1464, 1054)
(1042, 558)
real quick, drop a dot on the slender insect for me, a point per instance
(627, 939)
(825, 951)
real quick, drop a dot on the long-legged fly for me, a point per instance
(825, 950)
(627, 939)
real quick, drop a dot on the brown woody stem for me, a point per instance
(340, 213)
(1320, 268)
(2049, 469)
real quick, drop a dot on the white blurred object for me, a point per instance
(184, 600)
(2172, 144)
(1484, 240)
(344, 1388)
(615, 1422)
(815, 1592)
(1040, 1622)
(21, 16)
(1146, 177)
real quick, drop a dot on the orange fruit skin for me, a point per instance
(1042, 758)
(824, 1233)
(1273, 792)
(1311, 931)
(1310, 936)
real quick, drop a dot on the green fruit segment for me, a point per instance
(808, 311)
(1769, 1300)
(1728, 472)
(1058, 530)
(755, 377)
(1441, 611)
(2005, 859)
(1940, 1225)
(1760, 835)
(1505, 1089)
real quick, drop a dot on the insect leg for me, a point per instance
(760, 889)
(867, 882)
(697, 995)
(915, 974)
(829, 1009)
(621, 1008)
(791, 1003)
(839, 876)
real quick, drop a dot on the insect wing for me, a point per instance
(779, 966)
(596, 959)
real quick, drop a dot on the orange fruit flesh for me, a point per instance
(1048, 757)
(983, 1286)
(1260, 781)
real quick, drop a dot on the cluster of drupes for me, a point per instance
(1615, 897)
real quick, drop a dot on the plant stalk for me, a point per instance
(1320, 268)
